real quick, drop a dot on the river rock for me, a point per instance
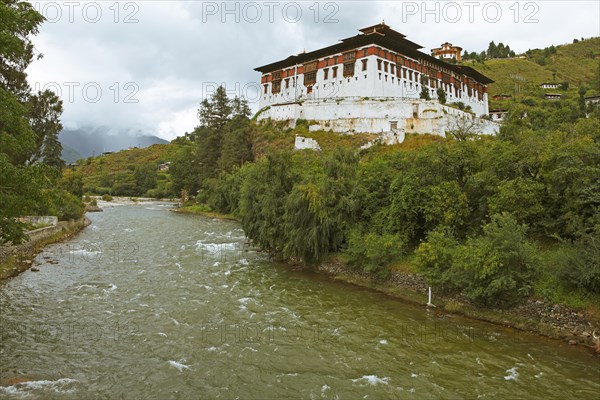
(92, 208)
(35, 269)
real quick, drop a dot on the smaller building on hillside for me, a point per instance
(552, 96)
(498, 115)
(592, 100)
(447, 52)
(549, 85)
(502, 96)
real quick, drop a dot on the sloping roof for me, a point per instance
(383, 36)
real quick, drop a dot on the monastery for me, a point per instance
(372, 82)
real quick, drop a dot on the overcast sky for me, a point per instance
(145, 65)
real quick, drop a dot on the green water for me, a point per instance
(150, 304)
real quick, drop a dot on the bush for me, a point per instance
(107, 197)
(435, 258)
(61, 203)
(125, 189)
(374, 253)
(577, 264)
(498, 267)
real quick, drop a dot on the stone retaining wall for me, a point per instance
(25, 250)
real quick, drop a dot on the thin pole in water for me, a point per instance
(429, 303)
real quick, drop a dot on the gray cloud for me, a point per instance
(176, 52)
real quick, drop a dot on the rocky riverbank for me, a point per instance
(575, 327)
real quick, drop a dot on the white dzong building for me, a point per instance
(370, 82)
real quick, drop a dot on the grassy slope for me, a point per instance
(574, 63)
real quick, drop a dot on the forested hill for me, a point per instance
(577, 64)
(133, 172)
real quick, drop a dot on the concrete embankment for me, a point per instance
(15, 259)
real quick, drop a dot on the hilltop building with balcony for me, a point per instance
(447, 52)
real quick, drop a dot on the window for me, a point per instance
(364, 65)
(325, 73)
(392, 68)
(379, 65)
(350, 56)
(276, 86)
(266, 86)
(287, 83)
(334, 72)
(310, 78)
(309, 67)
(348, 69)
(385, 66)
(276, 75)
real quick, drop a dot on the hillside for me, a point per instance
(130, 172)
(575, 63)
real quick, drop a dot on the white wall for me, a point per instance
(359, 115)
(369, 83)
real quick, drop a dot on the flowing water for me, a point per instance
(150, 304)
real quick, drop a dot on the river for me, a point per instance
(150, 304)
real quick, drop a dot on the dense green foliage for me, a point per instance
(496, 267)
(484, 216)
(30, 164)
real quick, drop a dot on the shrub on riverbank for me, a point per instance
(495, 268)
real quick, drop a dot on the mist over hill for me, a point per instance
(92, 141)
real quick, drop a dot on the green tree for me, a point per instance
(498, 267)
(45, 109)
(20, 21)
(492, 51)
(240, 108)
(441, 93)
(145, 177)
(20, 184)
(424, 88)
(582, 90)
(215, 113)
(237, 144)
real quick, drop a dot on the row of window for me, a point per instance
(397, 61)
(311, 77)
